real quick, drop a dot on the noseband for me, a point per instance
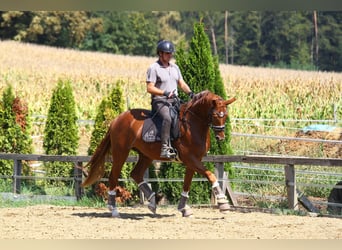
(217, 128)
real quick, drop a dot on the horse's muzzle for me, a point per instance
(219, 137)
(219, 132)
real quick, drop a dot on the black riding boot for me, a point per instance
(166, 151)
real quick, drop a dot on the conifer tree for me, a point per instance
(61, 131)
(201, 71)
(14, 129)
(221, 148)
(110, 106)
(197, 64)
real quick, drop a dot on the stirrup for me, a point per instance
(167, 153)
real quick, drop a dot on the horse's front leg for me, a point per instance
(182, 206)
(221, 198)
(222, 201)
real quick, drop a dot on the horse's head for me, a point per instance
(219, 116)
(211, 109)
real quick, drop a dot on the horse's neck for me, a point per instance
(196, 117)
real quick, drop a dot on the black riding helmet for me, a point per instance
(165, 46)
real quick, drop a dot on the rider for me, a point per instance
(162, 80)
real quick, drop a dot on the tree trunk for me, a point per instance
(316, 36)
(226, 35)
(212, 30)
(214, 39)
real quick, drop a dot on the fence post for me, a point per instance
(290, 181)
(79, 190)
(17, 173)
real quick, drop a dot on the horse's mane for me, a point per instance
(200, 98)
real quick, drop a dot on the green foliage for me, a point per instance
(198, 67)
(285, 36)
(248, 40)
(61, 131)
(255, 38)
(55, 28)
(110, 107)
(15, 129)
(127, 32)
(330, 41)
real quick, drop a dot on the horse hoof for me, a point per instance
(224, 211)
(152, 208)
(115, 213)
(224, 207)
(186, 212)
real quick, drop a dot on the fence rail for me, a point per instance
(219, 160)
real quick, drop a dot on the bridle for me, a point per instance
(216, 128)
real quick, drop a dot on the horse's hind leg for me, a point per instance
(182, 206)
(138, 176)
(118, 162)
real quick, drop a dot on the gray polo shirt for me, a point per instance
(165, 78)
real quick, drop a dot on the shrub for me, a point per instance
(61, 131)
(15, 129)
(110, 107)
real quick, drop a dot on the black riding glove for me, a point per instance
(191, 94)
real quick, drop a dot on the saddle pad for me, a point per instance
(151, 130)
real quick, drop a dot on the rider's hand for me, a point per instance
(168, 94)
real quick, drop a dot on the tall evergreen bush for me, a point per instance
(61, 131)
(15, 128)
(110, 107)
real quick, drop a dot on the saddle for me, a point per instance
(152, 126)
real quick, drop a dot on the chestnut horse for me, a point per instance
(205, 110)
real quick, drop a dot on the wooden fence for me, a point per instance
(288, 162)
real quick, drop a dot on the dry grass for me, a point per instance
(34, 71)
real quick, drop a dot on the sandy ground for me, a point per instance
(55, 222)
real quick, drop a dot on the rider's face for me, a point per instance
(166, 56)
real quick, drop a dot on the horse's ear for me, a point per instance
(231, 100)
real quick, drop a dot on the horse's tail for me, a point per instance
(97, 161)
